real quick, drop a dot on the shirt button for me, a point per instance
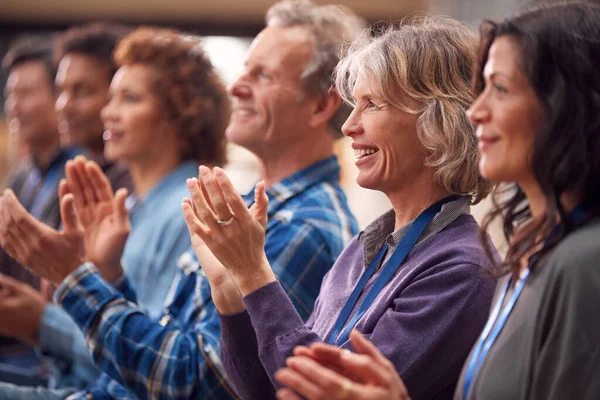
(164, 320)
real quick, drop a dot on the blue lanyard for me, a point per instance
(488, 337)
(389, 269)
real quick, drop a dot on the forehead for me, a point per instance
(503, 57)
(276, 45)
(28, 73)
(136, 76)
(82, 67)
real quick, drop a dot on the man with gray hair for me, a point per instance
(286, 112)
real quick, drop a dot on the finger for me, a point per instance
(365, 367)
(74, 182)
(287, 394)
(195, 227)
(202, 210)
(121, 212)
(87, 188)
(328, 381)
(303, 351)
(11, 284)
(99, 183)
(298, 383)
(261, 203)
(63, 188)
(232, 196)
(363, 346)
(215, 197)
(67, 213)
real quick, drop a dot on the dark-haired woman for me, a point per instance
(538, 121)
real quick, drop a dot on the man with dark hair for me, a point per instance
(30, 113)
(83, 56)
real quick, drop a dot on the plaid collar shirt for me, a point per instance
(178, 356)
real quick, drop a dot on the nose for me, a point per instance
(63, 102)
(108, 112)
(352, 126)
(479, 112)
(240, 88)
(10, 105)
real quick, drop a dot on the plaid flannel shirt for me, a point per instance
(179, 356)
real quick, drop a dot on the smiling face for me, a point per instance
(508, 115)
(136, 129)
(30, 103)
(385, 141)
(82, 85)
(269, 107)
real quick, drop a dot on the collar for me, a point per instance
(281, 192)
(185, 170)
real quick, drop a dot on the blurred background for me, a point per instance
(228, 27)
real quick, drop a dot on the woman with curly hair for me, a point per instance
(167, 114)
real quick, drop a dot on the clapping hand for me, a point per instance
(329, 372)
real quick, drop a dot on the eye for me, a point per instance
(500, 89)
(130, 98)
(371, 104)
(264, 75)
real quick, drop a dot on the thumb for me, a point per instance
(67, 213)
(121, 212)
(261, 204)
(10, 285)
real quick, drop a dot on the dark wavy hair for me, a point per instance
(560, 56)
(98, 40)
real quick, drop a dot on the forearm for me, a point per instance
(137, 351)
(278, 327)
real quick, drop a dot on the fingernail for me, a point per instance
(190, 183)
(345, 353)
(218, 171)
(203, 170)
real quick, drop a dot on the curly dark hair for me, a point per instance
(30, 48)
(560, 53)
(98, 40)
(194, 96)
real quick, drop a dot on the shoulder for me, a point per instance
(576, 259)
(458, 246)
(321, 211)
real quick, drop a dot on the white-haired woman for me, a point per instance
(414, 281)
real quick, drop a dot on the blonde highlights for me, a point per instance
(430, 60)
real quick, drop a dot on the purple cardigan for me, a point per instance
(425, 320)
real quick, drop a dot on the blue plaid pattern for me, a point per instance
(179, 357)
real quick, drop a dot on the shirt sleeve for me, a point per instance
(151, 359)
(300, 258)
(63, 343)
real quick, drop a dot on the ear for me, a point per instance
(325, 108)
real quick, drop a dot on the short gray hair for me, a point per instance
(430, 59)
(332, 26)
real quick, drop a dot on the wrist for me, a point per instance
(249, 282)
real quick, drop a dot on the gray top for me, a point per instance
(549, 347)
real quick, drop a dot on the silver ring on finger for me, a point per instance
(220, 222)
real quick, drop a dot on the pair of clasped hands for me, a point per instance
(228, 239)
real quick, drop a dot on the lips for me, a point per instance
(111, 134)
